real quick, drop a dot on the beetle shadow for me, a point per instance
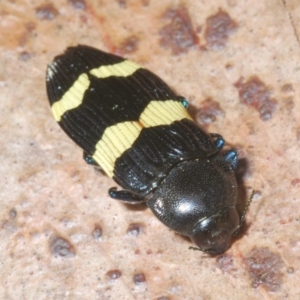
(135, 207)
(241, 172)
(193, 111)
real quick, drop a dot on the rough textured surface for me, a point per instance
(63, 238)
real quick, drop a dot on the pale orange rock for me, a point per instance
(62, 237)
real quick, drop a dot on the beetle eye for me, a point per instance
(213, 235)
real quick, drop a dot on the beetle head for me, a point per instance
(198, 199)
(213, 234)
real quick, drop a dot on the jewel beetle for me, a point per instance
(138, 131)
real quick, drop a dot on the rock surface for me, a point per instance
(62, 237)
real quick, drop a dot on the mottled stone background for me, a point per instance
(62, 237)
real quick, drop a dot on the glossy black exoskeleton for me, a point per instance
(137, 130)
(197, 199)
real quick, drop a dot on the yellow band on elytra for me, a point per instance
(118, 138)
(72, 98)
(122, 69)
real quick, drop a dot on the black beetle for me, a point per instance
(133, 126)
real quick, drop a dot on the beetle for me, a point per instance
(138, 131)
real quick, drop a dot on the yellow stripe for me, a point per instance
(72, 98)
(118, 138)
(115, 140)
(163, 113)
(122, 69)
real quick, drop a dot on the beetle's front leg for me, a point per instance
(231, 157)
(217, 140)
(125, 196)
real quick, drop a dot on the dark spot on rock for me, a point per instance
(286, 221)
(290, 270)
(114, 274)
(145, 2)
(130, 44)
(139, 278)
(266, 110)
(298, 134)
(199, 29)
(209, 111)
(61, 247)
(289, 103)
(218, 28)
(23, 39)
(254, 92)
(179, 34)
(232, 2)
(84, 19)
(264, 268)
(225, 262)
(229, 66)
(12, 213)
(30, 26)
(97, 232)
(46, 12)
(24, 56)
(78, 4)
(295, 181)
(135, 229)
(9, 226)
(122, 3)
(287, 88)
(163, 298)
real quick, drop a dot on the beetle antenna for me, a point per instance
(198, 249)
(194, 248)
(244, 212)
(247, 206)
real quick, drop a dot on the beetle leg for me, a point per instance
(89, 160)
(125, 196)
(231, 157)
(183, 101)
(217, 140)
